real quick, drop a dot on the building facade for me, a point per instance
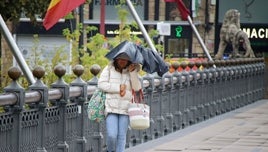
(207, 17)
(181, 42)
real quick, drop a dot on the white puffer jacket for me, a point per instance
(110, 81)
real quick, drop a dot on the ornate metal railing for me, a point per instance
(54, 118)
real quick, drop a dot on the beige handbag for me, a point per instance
(139, 112)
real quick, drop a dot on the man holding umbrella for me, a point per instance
(118, 79)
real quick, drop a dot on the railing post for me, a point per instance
(166, 102)
(95, 131)
(219, 87)
(157, 106)
(62, 102)
(205, 90)
(234, 81)
(200, 96)
(243, 82)
(240, 94)
(212, 86)
(245, 79)
(148, 97)
(185, 95)
(14, 73)
(154, 96)
(176, 107)
(250, 81)
(193, 93)
(262, 86)
(39, 86)
(80, 146)
(229, 84)
(257, 74)
(254, 79)
(224, 86)
(251, 73)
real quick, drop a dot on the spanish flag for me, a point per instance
(182, 8)
(58, 9)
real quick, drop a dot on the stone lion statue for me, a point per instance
(231, 33)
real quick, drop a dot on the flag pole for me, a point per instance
(16, 52)
(138, 20)
(199, 38)
(102, 18)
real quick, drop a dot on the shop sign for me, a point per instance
(257, 33)
(111, 10)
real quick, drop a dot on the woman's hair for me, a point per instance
(116, 64)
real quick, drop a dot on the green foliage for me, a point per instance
(92, 52)
(13, 9)
(96, 54)
(35, 60)
(73, 37)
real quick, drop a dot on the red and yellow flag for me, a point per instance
(182, 8)
(58, 9)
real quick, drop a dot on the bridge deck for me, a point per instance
(244, 129)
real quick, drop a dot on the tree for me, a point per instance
(12, 10)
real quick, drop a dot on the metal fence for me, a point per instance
(54, 118)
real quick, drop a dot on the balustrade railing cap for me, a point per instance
(198, 64)
(38, 72)
(175, 65)
(235, 61)
(78, 70)
(249, 61)
(261, 59)
(191, 64)
(210, 63)
(205, 64)
(217, 63)
(255, 60)
(95, 69)
(14, 73)
(238, 61)
(59, 70)
(244, 61)
(227, 62)
(223, 63)
(231, 62)
(183, 65)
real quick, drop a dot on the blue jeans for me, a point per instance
(116, 127)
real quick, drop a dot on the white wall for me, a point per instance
(43, 49)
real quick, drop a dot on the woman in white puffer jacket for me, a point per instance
(117, 80)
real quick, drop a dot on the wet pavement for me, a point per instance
(241, 130)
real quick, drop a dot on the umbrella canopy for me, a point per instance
(150, 60)
(153, 62)
(126, 47)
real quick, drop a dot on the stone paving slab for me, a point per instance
(242, 130)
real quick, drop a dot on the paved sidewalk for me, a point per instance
(242, 130)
